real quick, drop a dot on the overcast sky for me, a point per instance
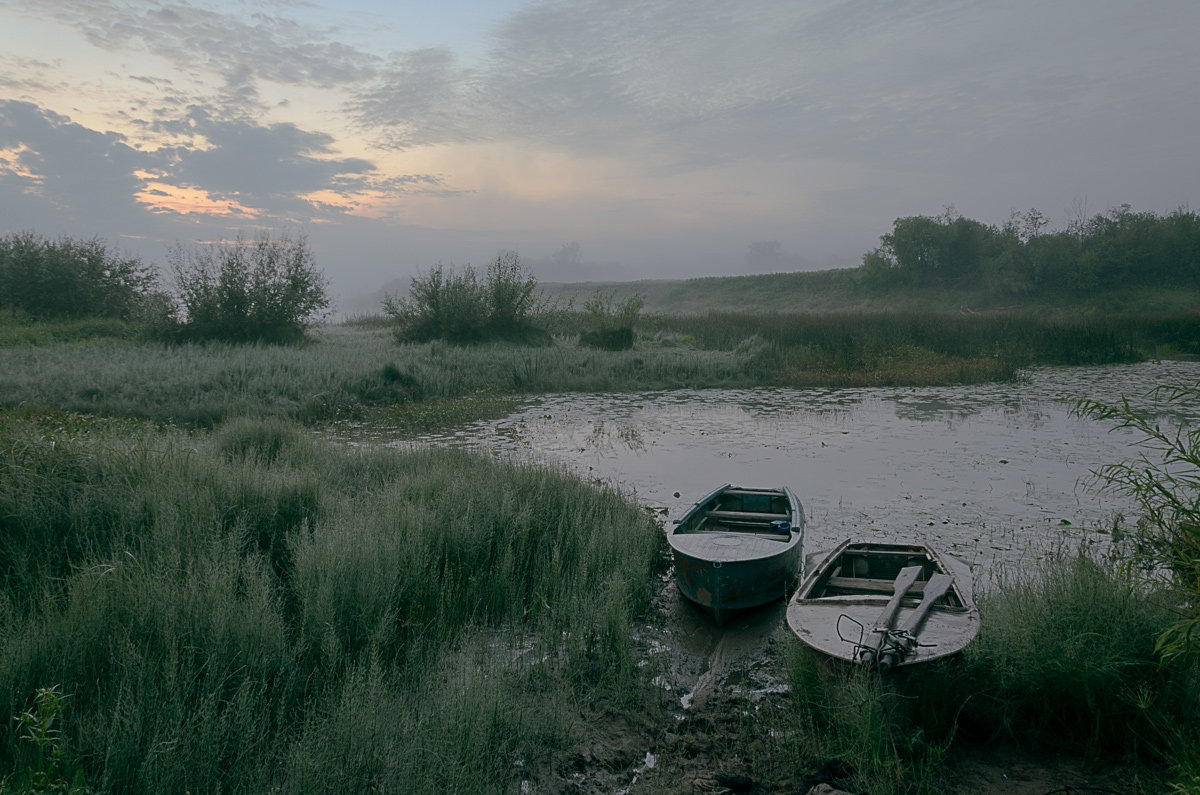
(602, 139)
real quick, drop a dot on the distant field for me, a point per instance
(839, 291)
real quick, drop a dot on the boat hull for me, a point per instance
(837, 613)
(728, 561)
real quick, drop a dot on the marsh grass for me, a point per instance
(253, 609)
(18, 330)
(1064, 663)
(352, 371)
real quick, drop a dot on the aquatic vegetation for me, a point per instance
(1164, 479)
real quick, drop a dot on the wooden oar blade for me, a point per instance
(934, 589)
(904, 580)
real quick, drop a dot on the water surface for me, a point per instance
(987, 472)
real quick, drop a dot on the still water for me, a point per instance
(990, 473)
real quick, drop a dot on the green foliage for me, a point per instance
(70, 279)
(612, 323)
(1164, 480)
(1117, 250)
(257, 610)
(463, 308)
(1069, 662)
(262, 290)
(356, 370)
(18, 329)
(36, 726)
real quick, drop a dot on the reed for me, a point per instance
(355, 370)
(254, 609)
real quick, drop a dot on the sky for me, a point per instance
(600, 139)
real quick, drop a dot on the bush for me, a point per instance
(613, 323)
(1166, 486)
(460, 308)
(65, 278)
(262, 290)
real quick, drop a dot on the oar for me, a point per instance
(883, 625)
(906, 638)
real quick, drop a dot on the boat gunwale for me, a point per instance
(795, 535)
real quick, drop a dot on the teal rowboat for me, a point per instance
(738, 548)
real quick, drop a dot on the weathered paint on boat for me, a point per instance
(730, 552)
(837, 608)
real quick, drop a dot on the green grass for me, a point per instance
(255, 609)
(839, 291)
(1064, 663)
(358, 371)
(17, 330)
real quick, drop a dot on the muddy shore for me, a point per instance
(715, 680)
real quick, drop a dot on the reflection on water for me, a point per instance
(991, 472)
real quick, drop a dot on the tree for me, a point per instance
(69, 278)
(268, 289)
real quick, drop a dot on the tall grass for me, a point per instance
(358, 369)
(254, 609)
(1064, 663)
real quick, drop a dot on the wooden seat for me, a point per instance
(746, 516)
(870, 585)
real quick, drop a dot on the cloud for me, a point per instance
(67, 168)
(23, 75)
(684, 84)
(269, 47)
(423, 97)
(265, 165)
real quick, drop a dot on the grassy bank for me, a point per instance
(1064, 665)
(252, 610)
(359, 370)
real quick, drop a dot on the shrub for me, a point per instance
(461, 308)
(1166, 486)
(68, 278)
(262, 290)
(612, 323)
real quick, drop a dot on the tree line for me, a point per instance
(270, 289)
(1114, 250)
(266, 289)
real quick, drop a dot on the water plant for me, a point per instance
(355, 369)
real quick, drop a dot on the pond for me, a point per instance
(992, 472)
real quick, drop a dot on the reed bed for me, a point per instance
(352, 370)
(254, 609)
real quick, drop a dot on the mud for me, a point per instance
(717, 679)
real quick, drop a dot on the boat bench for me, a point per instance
(860, 584)
(747, 516)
